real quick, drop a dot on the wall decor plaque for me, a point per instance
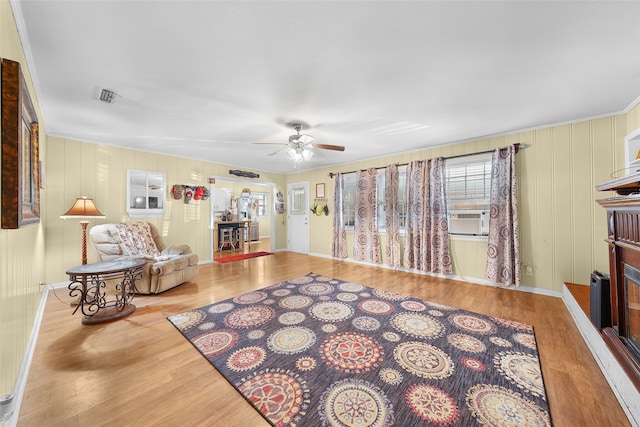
(243, 174)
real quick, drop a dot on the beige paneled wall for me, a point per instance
(22, 255)
(98, 171)
(562, 228)
(633, 118)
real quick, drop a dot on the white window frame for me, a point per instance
(349, 199)
(468, 189)
(261, 198)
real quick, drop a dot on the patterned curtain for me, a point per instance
(391, 187)
(366, 239)
(427, 237)
(503, 253)
(339, 242)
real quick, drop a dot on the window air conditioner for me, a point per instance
(469, 222)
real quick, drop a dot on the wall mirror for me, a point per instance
(20, 151)
(145, 193)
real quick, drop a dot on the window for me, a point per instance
(298, 201)
(468, 182)
(349, 199)
(145, 193)
(402, 198)
(259, 204)
(468, 187)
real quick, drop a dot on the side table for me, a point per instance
(89, 282)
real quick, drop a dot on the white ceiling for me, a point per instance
(207, 79)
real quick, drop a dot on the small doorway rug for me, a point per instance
(318, 351)
(241, 257)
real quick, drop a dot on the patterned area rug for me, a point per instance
(317, 351)
(242, 256)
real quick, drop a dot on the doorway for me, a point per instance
(298, 217)
(237, 184)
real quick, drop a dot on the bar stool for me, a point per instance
(237, 236)
(226, 238)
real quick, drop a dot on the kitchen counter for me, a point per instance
(245, 224)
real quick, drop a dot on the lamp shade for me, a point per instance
(83, 207)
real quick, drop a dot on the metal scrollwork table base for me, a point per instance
(90, 282)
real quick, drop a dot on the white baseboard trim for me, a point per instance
(467, 279)
(623, 388)
(23, 373)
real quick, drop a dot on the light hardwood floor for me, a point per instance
(140, 371)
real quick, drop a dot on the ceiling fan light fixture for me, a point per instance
(300, 147)
(307, 155)
(299, 154)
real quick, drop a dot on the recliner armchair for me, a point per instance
(167, 267)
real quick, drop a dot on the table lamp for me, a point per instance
(83, 208)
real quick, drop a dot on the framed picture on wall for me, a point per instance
(20, 151)
(320, 191)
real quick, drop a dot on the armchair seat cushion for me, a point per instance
(166, 268)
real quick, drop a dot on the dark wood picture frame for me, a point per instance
(20, 151)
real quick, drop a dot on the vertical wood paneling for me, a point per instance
(620, 131)
(560, 199)
(581, 161)
(603, 164)
(633, 119)
(544, 166)
(22, 251)
(56, 202)
(527, 191)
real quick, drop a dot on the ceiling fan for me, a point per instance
(299, 146)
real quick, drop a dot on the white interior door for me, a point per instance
(298, 217)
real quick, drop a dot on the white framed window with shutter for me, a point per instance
(468, 187)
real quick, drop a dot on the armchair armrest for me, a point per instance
(176, 250)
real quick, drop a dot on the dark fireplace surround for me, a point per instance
(623, 240)
(631, 309)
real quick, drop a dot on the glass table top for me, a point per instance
(107, 267)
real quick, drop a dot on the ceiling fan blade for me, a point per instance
(270, 143)
(329, 147)
(277, 152)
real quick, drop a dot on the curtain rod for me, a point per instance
(518, 146)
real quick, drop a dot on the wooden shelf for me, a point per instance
(623, 186)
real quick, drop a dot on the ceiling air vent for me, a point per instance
(107, 96)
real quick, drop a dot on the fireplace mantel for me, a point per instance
(625, 185)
